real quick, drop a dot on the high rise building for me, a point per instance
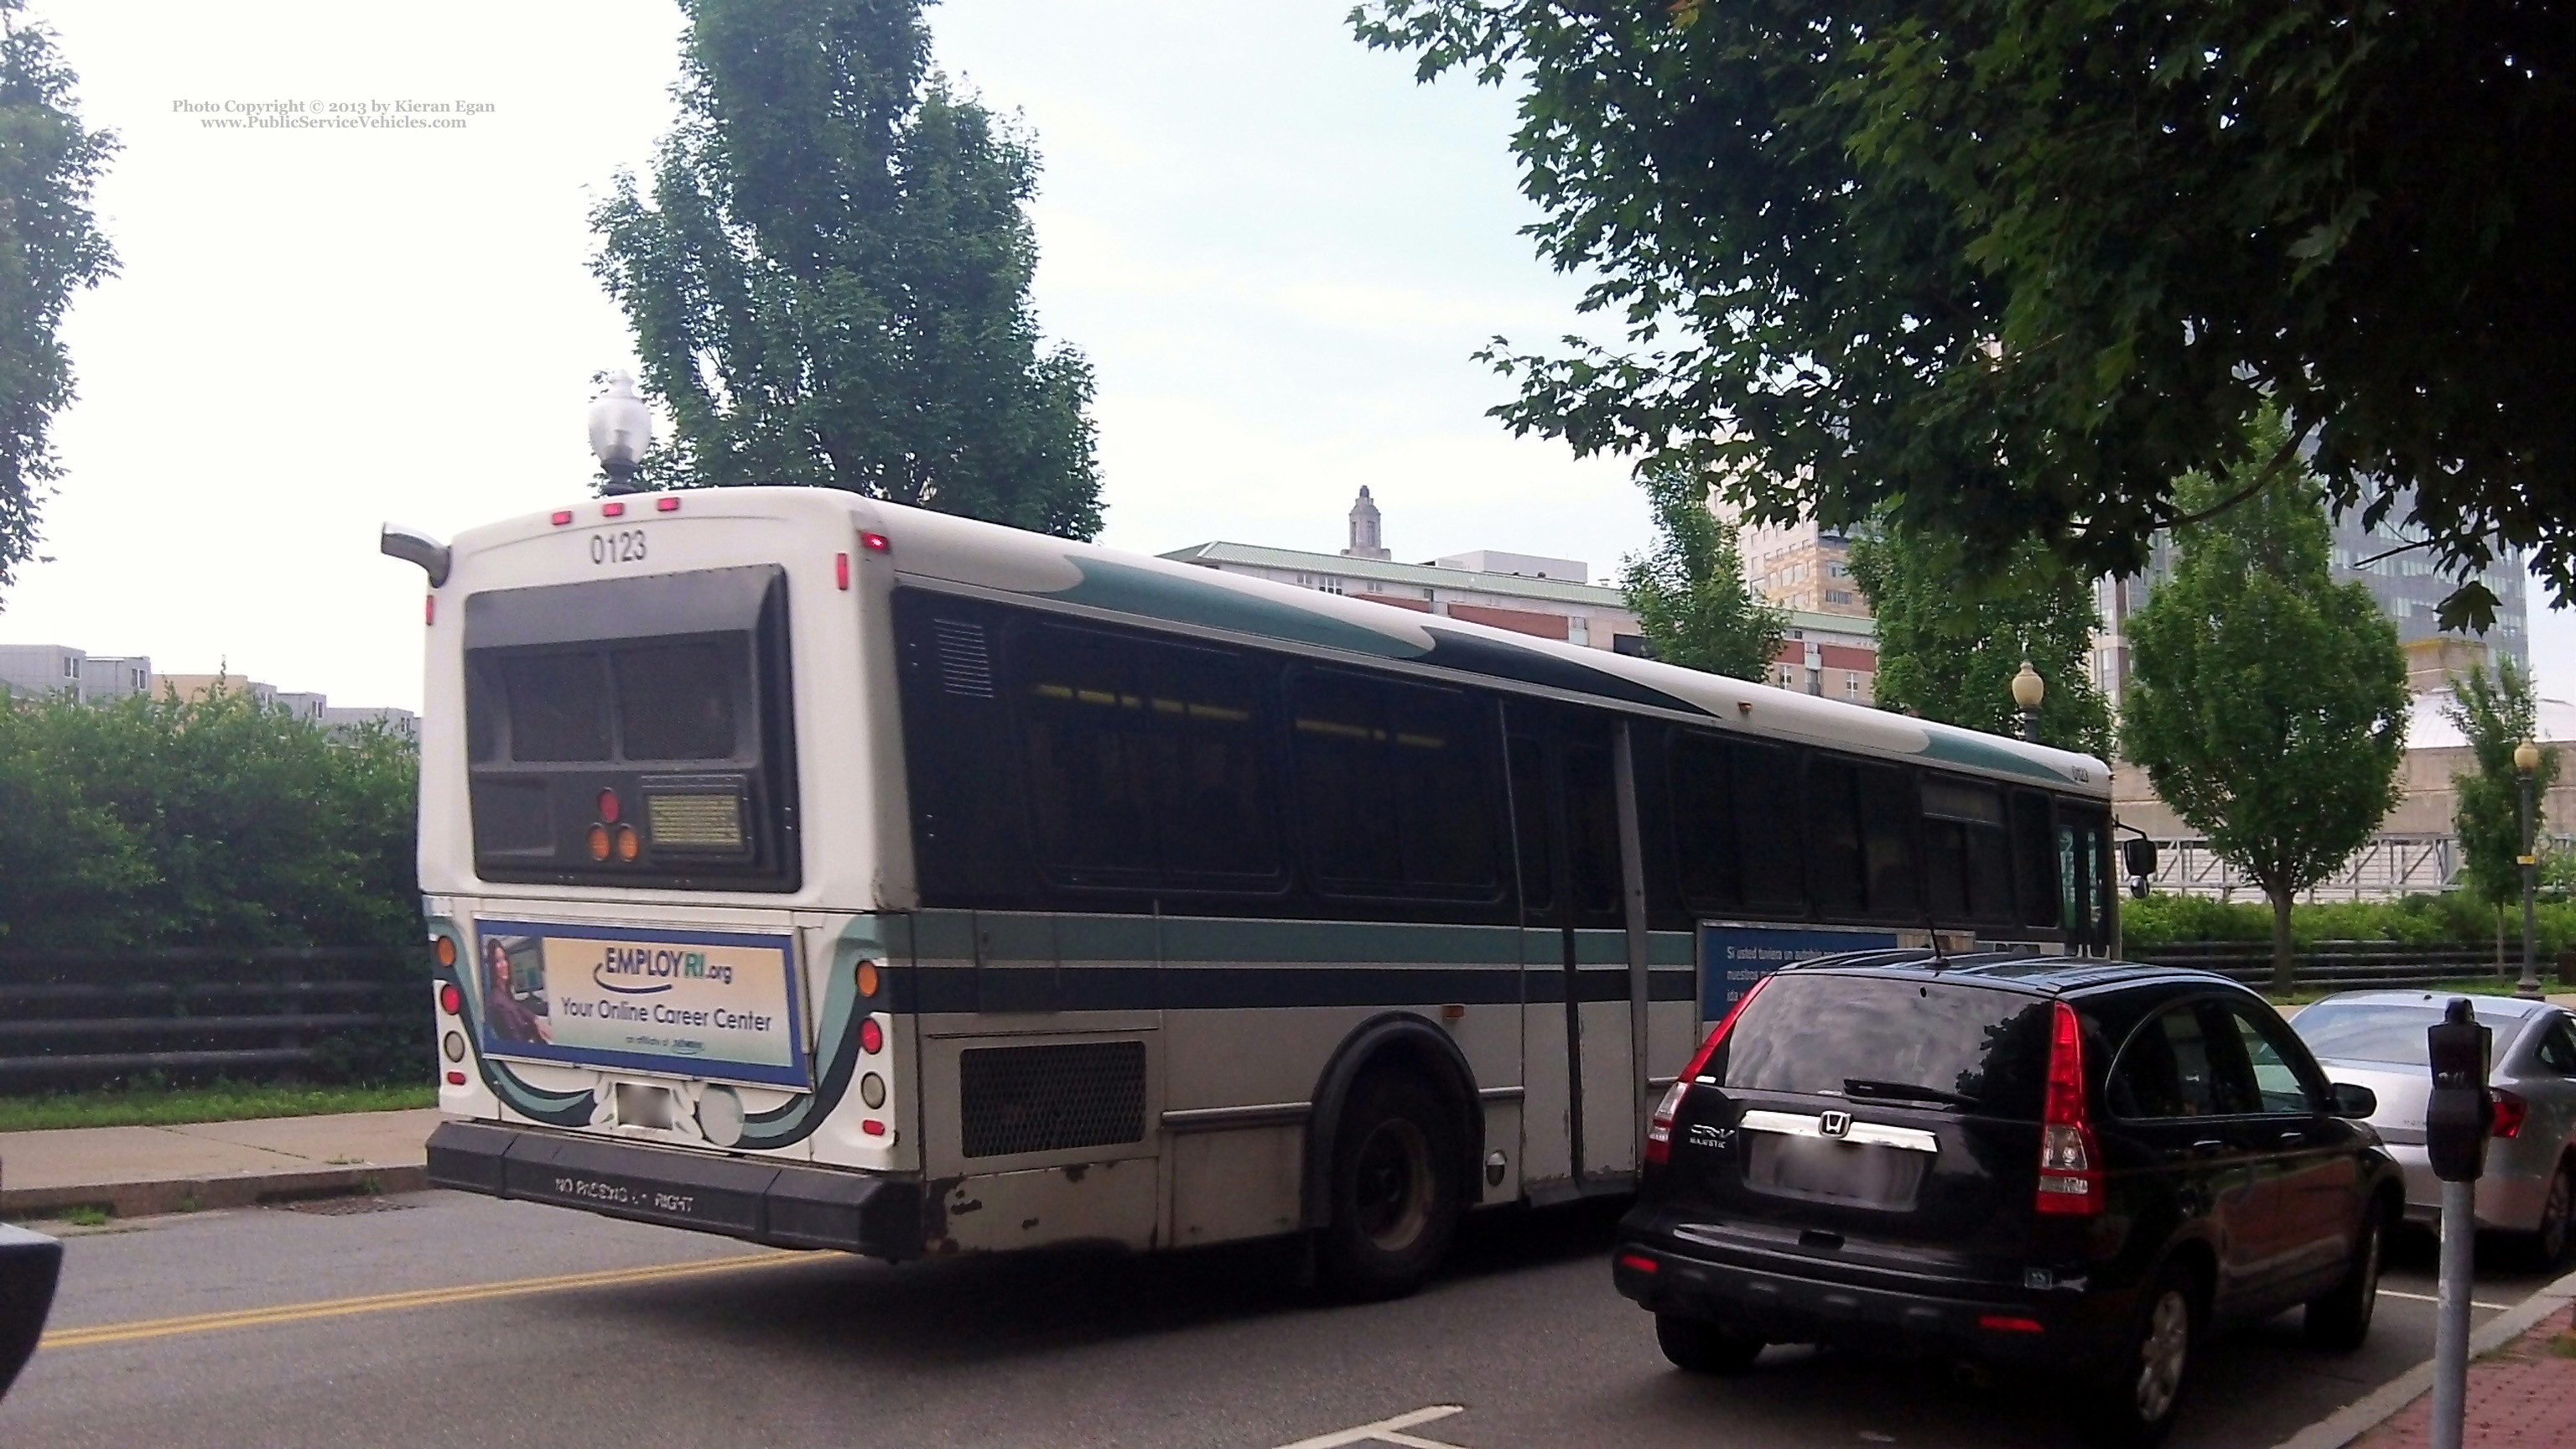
(2408, 586)
(1803, 566)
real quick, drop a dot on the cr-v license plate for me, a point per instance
(1821, 1170)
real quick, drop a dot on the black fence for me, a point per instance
(2358, 964)
(73, 1019)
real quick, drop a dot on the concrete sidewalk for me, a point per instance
(135, 1171)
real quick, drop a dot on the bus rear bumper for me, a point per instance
(781, 1204)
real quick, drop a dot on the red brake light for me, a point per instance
(841, 570)
(608, 806)
(451, 1000)
(1640, 1263)
(562, 516)
(871, 1036)
(1659, 1127)
(2009, 1323)
(456, 1079)
(2509, 1112)
(872, 1127)
(2069, 1181)
(429, 610)
(876, 543)
(612, 510)
(666, 505)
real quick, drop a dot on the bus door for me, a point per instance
(2084, 880)
(1565, 800)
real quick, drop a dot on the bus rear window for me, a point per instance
(633, 731)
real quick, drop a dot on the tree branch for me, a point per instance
(2288, 450)
(2392, 553)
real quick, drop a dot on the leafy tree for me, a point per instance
(2011, 267)
(2268, 703)
(2497, 712)
(1689, 593)
(829, 282)
(50, 249)
(1949, 652)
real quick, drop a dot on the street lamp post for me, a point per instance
(2028, 689)
(621, 430)
(2526, 763)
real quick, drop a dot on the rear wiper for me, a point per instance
(1905, 1091)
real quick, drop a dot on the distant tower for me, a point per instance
(1365, 542)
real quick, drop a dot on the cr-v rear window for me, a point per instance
(1893, 1040)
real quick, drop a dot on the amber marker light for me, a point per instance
(869, 978)
(599, 842)
(445, 950)
(629, 845)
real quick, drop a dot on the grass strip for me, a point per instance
(219, 1102)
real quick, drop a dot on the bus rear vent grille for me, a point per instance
(965, 664)
(1049, 1098)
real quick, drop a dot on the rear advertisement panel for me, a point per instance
(715, 1004)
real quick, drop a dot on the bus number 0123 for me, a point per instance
(625, 546)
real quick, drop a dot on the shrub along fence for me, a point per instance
(75, 1019)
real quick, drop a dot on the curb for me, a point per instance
(197, 1194)
(2372, 1409)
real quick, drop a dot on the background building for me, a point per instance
(38, 670)
(1831, 653)
(43, 669)
(2406, 585)
(1804, 566)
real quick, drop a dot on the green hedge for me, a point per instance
(212, 822)
(2423, 920)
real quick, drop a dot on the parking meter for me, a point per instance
(2455, 1120)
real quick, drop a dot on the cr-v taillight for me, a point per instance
(1659, 1127)
(2070, 1179)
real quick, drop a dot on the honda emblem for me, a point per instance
(1833, 1124)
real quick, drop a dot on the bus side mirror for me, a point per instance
(2138, 860)
(2455, 1120)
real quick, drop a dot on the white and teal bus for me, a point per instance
(833, 874)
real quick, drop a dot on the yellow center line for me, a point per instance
(387, 1302)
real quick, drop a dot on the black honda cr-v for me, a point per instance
(2082, 1164)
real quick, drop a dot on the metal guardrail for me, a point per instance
(83, 1018)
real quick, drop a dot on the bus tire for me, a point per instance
(1394, 1193)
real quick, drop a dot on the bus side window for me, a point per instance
(1537, 845)
(1967, 851)
(1591, 830)
(1888, 817)
(1088, 741)
(1215, 820)
(1393, 786)
(1769, 844)
(1703, 820)
(2035, 855)
(1833, 836)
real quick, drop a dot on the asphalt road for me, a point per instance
(440, 1318)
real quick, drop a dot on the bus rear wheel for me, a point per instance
(1394, 1192)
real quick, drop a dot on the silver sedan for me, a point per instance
(2375, 1039)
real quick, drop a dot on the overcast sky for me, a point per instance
(1277, 250)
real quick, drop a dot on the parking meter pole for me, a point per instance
(2456, 1119)
(2451, 1315)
